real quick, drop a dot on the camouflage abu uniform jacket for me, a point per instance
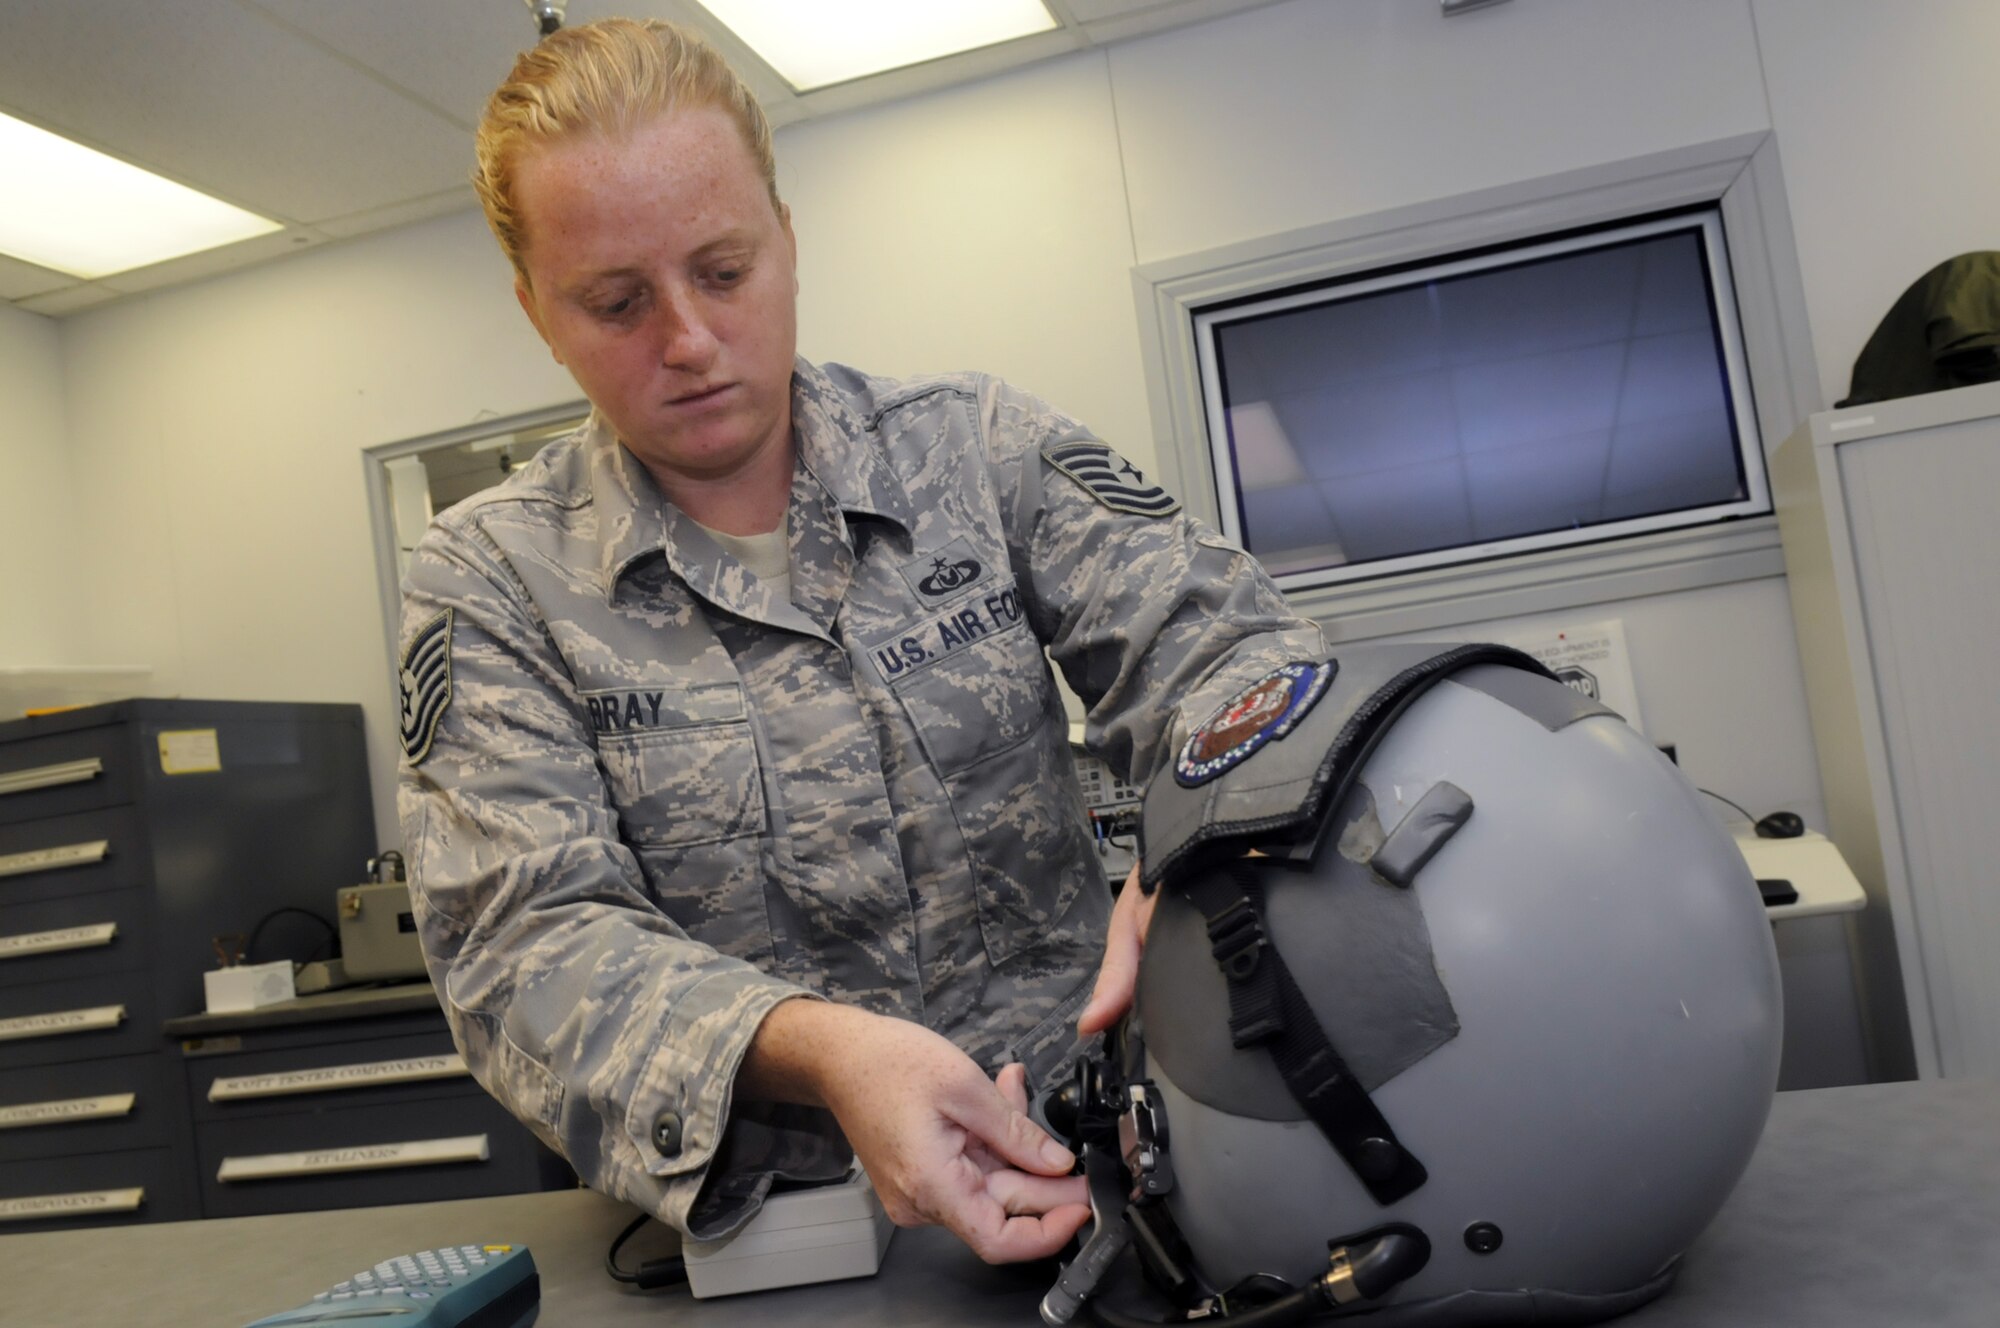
(644, 803)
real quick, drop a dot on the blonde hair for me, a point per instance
(610, 77)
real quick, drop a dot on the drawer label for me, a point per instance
(50, 776)
(62, 1021)
(359, 1157)
(324, 1078)
(69, 1109)
(48, 859)
(71, 1205)
(64, 938)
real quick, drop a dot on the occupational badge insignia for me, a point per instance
(1266, 710)
(944, 572)
(1111, 479)
(426, 679)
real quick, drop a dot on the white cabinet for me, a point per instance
(1890, 515)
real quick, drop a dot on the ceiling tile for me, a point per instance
(19, 280)
(220, 97)
(68, 300)
(450, 53)
(401, 214)
(1119, 20)
(209, 262)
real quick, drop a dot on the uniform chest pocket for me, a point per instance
(980, 700)
(686, 771)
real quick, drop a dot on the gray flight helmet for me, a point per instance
(1540, 956)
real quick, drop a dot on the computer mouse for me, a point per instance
(1781, 825)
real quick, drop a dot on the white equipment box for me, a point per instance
(817, 1235)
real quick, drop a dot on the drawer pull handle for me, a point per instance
(48, 859)
(50, 776)
(354, 1157)
(69, 1109)
(326, 1078)
(87, 1203)
(90, 937)
(57, 1022)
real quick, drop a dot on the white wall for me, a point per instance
(1309, 112)
(216, 430)
(40, 599)
(1886, 118)
(981, 229)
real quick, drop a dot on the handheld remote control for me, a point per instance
(457, 1286)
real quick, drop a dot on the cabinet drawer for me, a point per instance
(65, 856)
(87, 1107)
(349, 1156)
(384, 1071)
(89, 936)
(77, 1019)
(47, 1194)
(59, 773)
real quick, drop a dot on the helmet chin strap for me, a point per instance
(1118, 1130)
(1267, 1009)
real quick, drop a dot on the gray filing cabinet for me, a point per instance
(130, 835)
(1892, 553)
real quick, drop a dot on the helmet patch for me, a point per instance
(1266, 710)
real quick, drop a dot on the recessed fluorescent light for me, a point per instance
(812, 43)
(78, 211)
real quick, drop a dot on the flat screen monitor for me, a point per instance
(1571, 390)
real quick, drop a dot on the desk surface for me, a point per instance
(1865, 1206)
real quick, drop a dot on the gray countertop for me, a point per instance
(1874, 1206)
(323, 1007)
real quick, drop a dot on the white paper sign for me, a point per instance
(358, 1157)
(189, 752)
(47, 859)
(1590, 657)
(61, 1021)
(67, 938)
(71, 1205)
(70, 1109)
(324, 1078)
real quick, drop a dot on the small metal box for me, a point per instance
(378, 932)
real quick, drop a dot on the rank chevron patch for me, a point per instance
(1111, 479)
(426, 678)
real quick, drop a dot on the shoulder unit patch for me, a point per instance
(1110, 478)
(426, 678)
(1264, 711)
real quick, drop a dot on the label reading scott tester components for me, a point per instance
(324, 1078)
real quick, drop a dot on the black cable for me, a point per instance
(1737, 805)
(250, 946)
(650, 1275)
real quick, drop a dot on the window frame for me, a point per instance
(1739, 176)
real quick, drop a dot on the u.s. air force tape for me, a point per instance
(426, 678)
(1111, 479)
